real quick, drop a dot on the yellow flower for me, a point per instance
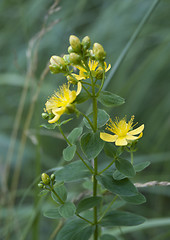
(123, 133)
(60, 101)
(94, 68)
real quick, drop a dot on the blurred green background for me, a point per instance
(31, 32)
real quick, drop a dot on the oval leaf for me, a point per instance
(69, 152)
(75, 229)
(123, 187)
(102, 118)
(118, 175)
(141, 166)
(107, 237)
(125, 167)
(67, 209)
(109, 99)
(75, 134)
(137, 199)
(91, 144)
(52, 213)
(88, 203)
(110, 150)
(120, 218)
(72, 172)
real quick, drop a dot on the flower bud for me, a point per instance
(86, 42)
(52, 177)
(45, 178)
(45, 115)
(75, 43)
(66, 58)
(99, 52)
(75, 58)
(40, 185)
(99, 74)
(57, 64)
(70, 49)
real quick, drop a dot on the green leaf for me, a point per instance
(110, 149)
(82, 97)
(72, 172)
(141, 166)
(52, 213)
(54, 125)
(120, 218)
(109, 99)
(102, 118)
(75, 134)
(43, 193)
(88, 203)
(137, 199)
(125, 167)
(91, 144)
(123, 187)
(67, 209)
(61, 191)
(69, 152)
(118, 175)
(107, 237)
(49, 126)
(75, 229)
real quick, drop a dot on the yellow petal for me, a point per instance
(108, 137)
(131, 137)
(137, 130)
(55, 119)
(78, 77)
(107, 68)
(121, 142)
(79, 87)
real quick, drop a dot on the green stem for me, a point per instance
(107, 166)
(91, 125)
(83, 218)
(102, 83)
(131, 154)
(69, 143)
(107, 209)
(60, 200)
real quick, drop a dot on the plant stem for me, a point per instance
(69, 143)
(107, 166)
(60, 200)
(83, 218)
(91, 125)
(107, 209)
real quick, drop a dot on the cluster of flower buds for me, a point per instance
(78, 50)
(46, 180)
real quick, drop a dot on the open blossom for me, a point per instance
(60, 101)
(94, 68)
(123, 133)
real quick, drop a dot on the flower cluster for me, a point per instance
(88, 63)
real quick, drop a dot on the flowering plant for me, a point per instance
(108, 186)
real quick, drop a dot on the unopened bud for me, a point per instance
(99, 52)
(99, 74)
(70, 49)
(45, 178)
(45, 115)
(67, 58)
(57, 64)
(40, 185)
(86, 42)
(52, 177)
(75, 58)
(75, 43)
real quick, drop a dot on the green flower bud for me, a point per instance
(52, 177)
(57, 64)
(70, 49)
(75, 43)
(99, 52)
(99, 73)
(75, 58)
(40, 185)
(67, 58)
(45, 178)
(86, 42)
(45, 115)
